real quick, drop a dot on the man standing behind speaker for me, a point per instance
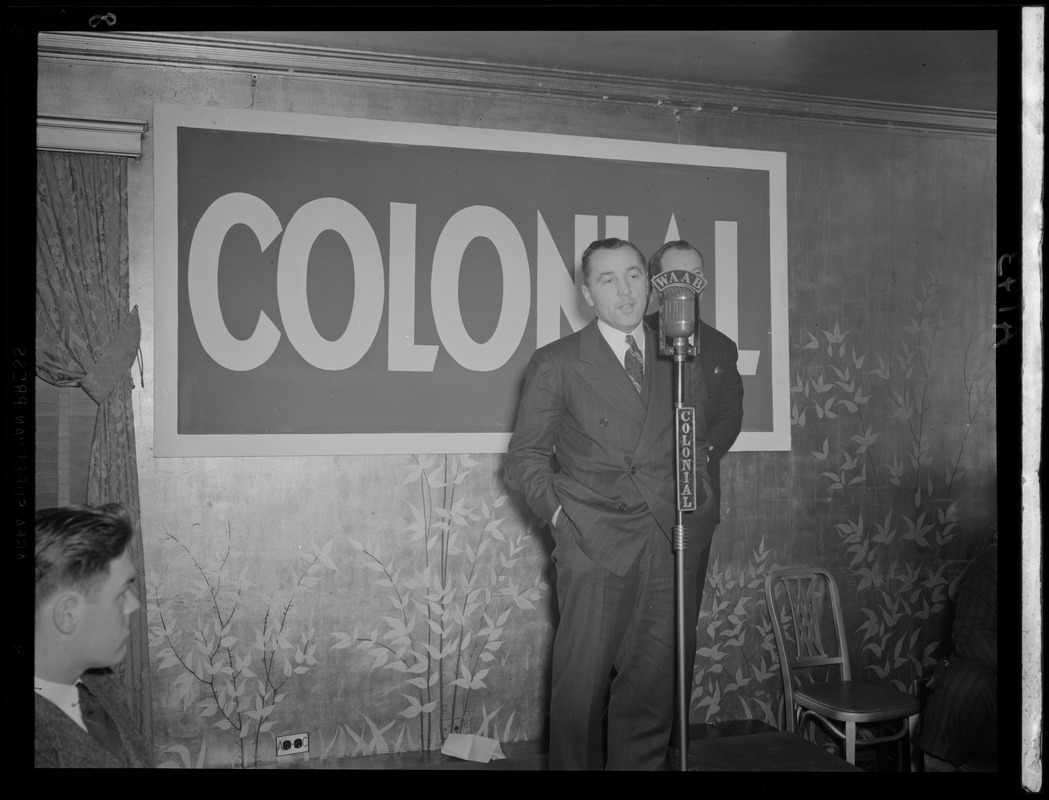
(601, 401)
(723, 408)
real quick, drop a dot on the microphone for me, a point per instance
(679, 293)
(678, 312)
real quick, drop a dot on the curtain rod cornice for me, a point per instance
(118, 137)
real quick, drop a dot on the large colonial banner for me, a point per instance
(342, 286)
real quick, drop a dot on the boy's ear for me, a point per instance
(66, 611)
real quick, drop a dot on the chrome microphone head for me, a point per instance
(678, 313)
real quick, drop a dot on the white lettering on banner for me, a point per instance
(465, 226)
(555, 285)
(616, 227)
(672, 234)
(404, 354)
(202, 281)
(309, 222)
(554, 288)
(726, 301)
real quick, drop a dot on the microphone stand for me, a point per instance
(679, 292)
(683, 418)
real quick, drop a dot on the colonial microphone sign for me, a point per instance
(328, 285)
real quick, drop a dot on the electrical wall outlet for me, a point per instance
(292, 743)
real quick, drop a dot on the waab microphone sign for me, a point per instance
(327, 285)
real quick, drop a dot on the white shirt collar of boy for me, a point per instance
(617, 339)
(63, 695)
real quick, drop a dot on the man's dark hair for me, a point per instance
(606, 244)
(655, 264)
(75, 544)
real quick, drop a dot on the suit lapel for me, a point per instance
(599, 367)
(660, 388)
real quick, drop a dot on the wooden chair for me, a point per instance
(817, 681)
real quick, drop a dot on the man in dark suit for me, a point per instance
(717, 356)
(85, 596)
(959, 723)
(601, 401)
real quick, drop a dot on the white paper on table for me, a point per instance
(471, 747)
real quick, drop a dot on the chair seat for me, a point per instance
(854, 701)
(804, 605)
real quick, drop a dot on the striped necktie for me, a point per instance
(634, 363)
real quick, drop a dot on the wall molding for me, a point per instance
(115, 137)
(187, 51)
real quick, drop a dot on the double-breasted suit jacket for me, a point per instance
(614, 446)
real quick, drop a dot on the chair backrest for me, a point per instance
(805, 610)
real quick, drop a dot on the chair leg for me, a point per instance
(912, 740)
(850, 742)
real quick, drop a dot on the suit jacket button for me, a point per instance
(604, 423)
(633, 470)
(622, 506)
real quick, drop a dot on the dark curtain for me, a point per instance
(87, 336)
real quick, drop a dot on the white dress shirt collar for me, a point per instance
(617, 339)
(63, 695)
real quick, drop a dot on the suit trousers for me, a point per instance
(613, 658)
(960, 718)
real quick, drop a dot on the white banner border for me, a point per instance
(167, 118)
